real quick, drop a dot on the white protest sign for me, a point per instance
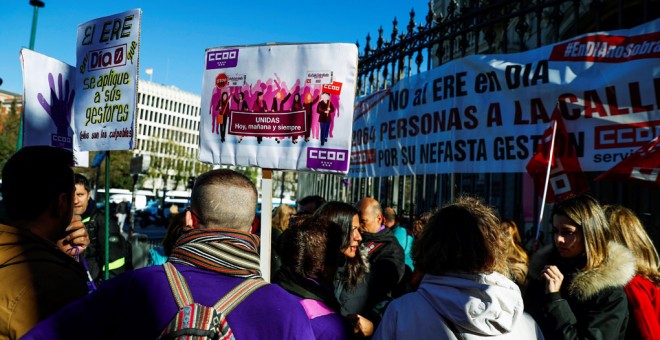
(107, 67)
(487, 113)
(48, 101)
(279, 106)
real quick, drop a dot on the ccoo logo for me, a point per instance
(327, 159)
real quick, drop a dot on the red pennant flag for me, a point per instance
(642, 166)
(566, 177)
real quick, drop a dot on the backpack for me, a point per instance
(194, 321)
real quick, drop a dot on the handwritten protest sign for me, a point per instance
(107, 68)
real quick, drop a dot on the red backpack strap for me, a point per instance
(237, 295)
(178, 285)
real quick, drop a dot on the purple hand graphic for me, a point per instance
(60, 105)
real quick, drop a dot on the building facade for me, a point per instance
(7, 99)
(167, 130)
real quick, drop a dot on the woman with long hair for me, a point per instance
(575, 285)
(643, 290)
(222, 115)
(517, 259)
(353, 264)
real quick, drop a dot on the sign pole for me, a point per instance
(133, 210)
(106, 267)
(547, 178)
(266, 217)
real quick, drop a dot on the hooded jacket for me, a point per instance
(36, 280)
(590, 304)
(459, 306)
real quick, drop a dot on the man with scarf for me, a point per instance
(214, 255)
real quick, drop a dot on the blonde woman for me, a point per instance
(642, 291)
(281, 217)
(575, 285)
(280, 222)
(517, 259)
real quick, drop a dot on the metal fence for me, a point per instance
(454, 29)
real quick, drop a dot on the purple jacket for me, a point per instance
(327, 324)
(139, 304)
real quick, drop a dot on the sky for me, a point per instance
(175, 35)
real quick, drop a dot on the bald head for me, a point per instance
(371, 214)
(224, 198)
(389, 217)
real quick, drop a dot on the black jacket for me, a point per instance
(386, 261)
(120, 249)
(591, 304)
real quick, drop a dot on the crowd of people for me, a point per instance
(340, 270)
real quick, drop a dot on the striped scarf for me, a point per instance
(226, 251)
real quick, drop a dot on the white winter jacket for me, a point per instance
(459, 306)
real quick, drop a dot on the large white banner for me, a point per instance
(487, 113)
(107, 66)
(279, 106)
(49, 93)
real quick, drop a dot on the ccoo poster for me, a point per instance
(279, 106)
(49, 91)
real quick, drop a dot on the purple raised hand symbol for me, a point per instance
(60, 106)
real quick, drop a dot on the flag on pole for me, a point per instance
(149, 71)
(565, 176)
(642, 166)
(98, 158)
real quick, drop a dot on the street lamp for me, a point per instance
(36, 4)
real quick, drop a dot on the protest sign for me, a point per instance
(487, 113)
(284, 106)
(107, 71)
(49, 94)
